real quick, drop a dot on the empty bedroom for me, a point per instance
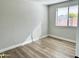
(39, 29)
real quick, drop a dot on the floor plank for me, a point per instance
(44, 48)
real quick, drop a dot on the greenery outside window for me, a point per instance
(67, 16)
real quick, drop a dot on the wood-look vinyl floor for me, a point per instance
(44, 48)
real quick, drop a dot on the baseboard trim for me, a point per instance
(9, 48)
(62, 38)
(44, 36)
(24, 43)
(14, 46)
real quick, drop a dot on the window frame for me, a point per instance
(68, 15)
(57, 17)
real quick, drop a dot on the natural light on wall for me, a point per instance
(67, 16)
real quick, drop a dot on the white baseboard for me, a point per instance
(26, 42)
(14, 46)
(62, 38)
(43, 36)
(9, 48)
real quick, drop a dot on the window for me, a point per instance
(62, 16)
(67, 16)
(73, 15)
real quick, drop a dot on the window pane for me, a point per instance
(62, 16)
(73, 15)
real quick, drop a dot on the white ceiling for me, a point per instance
(47, 2)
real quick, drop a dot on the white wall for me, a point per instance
(77, 43)
(18, 18)
(64, 32)
(77, 35)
